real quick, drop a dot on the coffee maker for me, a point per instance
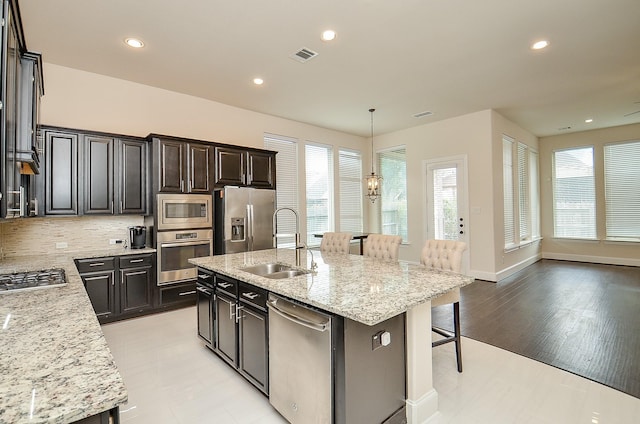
(137, 237)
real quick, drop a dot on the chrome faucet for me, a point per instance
(314, 265)
(296, 235)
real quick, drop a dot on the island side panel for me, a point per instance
(422, 398)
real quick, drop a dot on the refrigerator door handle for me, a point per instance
(250, 227)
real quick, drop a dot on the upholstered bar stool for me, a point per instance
(446, 255)
(382, 246)
(335, 243)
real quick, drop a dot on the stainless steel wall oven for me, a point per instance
(175, 248)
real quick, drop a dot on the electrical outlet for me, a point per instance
(113, 241)
(62, 245)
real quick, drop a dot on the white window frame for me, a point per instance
(622, 196)
(311, 240)
(350, 193)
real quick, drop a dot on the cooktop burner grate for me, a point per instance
(32, 280)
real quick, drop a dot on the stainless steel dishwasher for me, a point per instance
(300, 362)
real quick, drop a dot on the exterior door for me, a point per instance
(447, 210)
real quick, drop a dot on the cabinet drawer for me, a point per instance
(96, 264)
(135, 261)
(253, 295)
(226, 284)
(178, 294)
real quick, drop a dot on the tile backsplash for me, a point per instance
(39, 236)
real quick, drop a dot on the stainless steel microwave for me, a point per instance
(184, 211)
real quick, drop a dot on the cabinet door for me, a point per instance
(10, 104)
(61, 169)
(98, 174)
(225, 328)
(199, 170)
(171, 166)
(262, 170)
(230, 166)
(205, 313)
(253, 346)
(101, 290)
(135, 289)
(132, 173)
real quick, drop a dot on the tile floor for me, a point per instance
(172, 378)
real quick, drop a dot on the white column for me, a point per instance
(422, 398)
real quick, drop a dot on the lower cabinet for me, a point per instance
(240, 328)
(177, 295)
(119, 287)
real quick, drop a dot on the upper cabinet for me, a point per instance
(244, 167)
(87, 173)
(20, 92)
(182, 166)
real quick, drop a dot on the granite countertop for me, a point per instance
(356, 287)
(55, 364)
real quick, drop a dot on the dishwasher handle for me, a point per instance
(272, 304)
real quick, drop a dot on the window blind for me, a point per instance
(350, 174)
(319, 178)
(524, 207)
(622, 195)
(534, 190)
(392, 165)
(507, 188)
(287, 183)
(574, 203)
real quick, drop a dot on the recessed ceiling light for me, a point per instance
(258, 81)
(328, 35)
(134, 42)
(588, 121)
(538, 45)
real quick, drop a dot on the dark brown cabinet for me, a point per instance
(240, 328)
(136, 283)
(61, 173)
(243, 167)
(133, 193)
(94, 173)
(119, 287)
(98, 174)
(182, 166)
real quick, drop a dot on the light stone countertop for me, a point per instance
(55, 364)
(356, 287)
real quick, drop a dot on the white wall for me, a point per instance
(507, 263)
(602, 251)
(468, 135)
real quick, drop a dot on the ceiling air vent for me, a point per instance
(303, 55)
(423, 114)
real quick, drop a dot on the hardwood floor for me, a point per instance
(580, 317)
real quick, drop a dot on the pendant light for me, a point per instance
(373, 180)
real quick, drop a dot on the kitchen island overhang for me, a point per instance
(367, 291)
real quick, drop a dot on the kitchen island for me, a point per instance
(364, 290)
(55, 364)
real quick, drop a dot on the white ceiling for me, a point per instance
(402, 57)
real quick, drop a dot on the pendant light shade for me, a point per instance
(373, 180)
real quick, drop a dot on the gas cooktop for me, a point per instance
(30, 280)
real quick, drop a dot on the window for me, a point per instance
(287, 183)
(350, 175)
(622, 196)
(393, 200)
(319, 177)
(574, 203)
(521, 194)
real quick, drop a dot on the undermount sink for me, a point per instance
(274, 270)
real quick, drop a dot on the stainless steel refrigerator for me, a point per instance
(243, 219)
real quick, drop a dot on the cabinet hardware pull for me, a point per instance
(136, 273)
(239, 316)
(96, 264)
(121, 206)
(225, 285)
(135, 261)
(187, 293)
(203, 276)
(203, 290)
(250, 295)
(112, 207)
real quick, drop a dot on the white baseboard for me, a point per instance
(423, 410)
(593, 259)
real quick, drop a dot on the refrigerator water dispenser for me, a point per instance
(237, 229)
